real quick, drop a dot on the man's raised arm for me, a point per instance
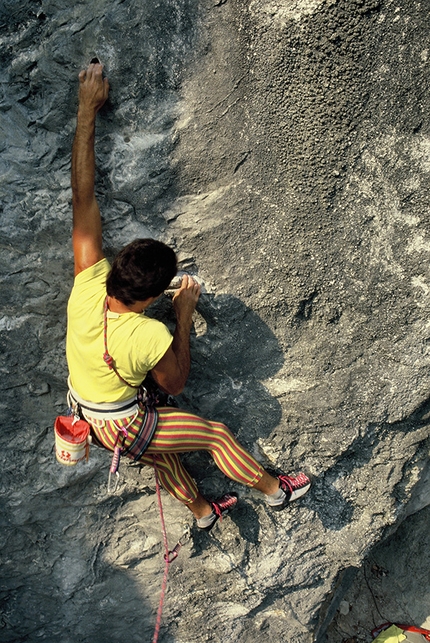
(87, 228)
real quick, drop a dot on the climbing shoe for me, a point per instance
(220, 508)
(290, 488)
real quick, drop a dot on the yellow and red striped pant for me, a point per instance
(180, 432)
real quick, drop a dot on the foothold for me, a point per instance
(344, 608)
(40, 388)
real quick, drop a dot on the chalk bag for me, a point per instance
(72, 439)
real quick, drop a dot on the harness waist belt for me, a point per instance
(108, 410)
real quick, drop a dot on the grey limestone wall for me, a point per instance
(282, 148)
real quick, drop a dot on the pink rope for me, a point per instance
(167, 556)
(108, 358)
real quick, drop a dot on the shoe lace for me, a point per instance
(302, 480)
(286, 482)
(222, 504)
(294, 482)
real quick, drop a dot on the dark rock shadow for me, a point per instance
(232, 351)
(334, 511)
(57, 581)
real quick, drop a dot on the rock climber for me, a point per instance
(112, 345)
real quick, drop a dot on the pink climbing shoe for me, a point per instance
(293, 487)
(220, 508)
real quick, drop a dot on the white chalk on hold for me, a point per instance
(177, 281)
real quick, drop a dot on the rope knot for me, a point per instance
(108, 360)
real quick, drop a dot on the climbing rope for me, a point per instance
(169, 555)
(106, 356)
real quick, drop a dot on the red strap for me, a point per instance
(405, 628)
(414, 628)
(108, 359)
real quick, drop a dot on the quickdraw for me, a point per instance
(114, 467)
(173, 553)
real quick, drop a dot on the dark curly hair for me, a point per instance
(143, 269)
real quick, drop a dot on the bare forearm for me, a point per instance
(181, 348)
(87, 227)
(83, 163)
(171, 372)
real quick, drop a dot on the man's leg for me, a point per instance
(173, 476)
(179, 431)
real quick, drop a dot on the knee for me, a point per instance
(222, 431)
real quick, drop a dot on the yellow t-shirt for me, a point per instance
(136, 342)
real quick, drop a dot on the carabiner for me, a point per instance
(115, 486)
(173, 553)
(186, 535)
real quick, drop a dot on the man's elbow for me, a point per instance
(175, 388)
(170, 385)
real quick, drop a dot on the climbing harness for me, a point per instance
(113, 410)
(169, 555)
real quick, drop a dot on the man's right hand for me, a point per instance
(172, 370)
(186, 297)
(93, 88)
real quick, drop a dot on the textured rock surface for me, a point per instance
(392, 586)
(283, 148)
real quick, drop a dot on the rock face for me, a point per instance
(283, 149)
(391, 586)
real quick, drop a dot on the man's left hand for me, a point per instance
(93, 88)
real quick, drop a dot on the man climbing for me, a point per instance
(112, 346)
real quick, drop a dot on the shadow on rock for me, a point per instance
(334, 511)
(232, 350)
